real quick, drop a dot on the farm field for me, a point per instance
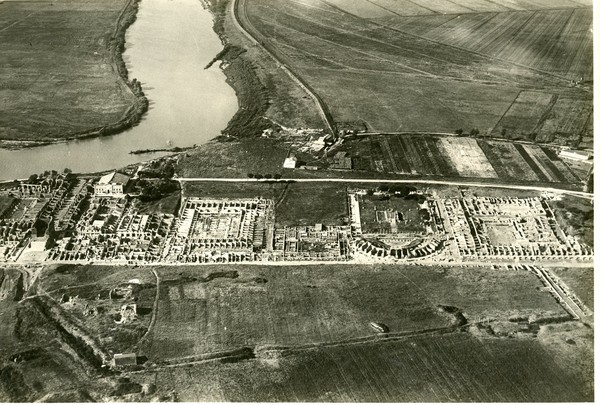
(556, 41)
(57, 74)
(370, 63)
(444, 368)
(219, 308)
(374, 8)
(458, 157)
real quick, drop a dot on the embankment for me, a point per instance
(240, 71)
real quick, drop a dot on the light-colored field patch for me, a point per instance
(467, 157)
(500, 234)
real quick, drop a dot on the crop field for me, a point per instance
(566, 121)
(523, 116)
(554, 41)
(56, 72)
(211, 309)
(458, 157)
(443, 368)
(434, 72)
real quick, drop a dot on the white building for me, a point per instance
(112, 184)
(290, 162)
(574, 154)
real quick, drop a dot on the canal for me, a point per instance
(166, 49)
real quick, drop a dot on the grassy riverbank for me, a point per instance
(65, 75)
(266, 95)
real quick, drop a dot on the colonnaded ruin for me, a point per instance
(87, 222)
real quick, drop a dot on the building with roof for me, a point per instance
(125, 359)
(112, 184)
(575, 154)
(290, 162)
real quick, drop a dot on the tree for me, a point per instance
(32, 179)
(250, 175)
(459, 131)
(268, 176)
(474, 132)
(258, 176)
(67, 170)
(384, 188)
(277, 176)
(503, 132)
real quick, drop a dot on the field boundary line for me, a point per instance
(154, 310)
(19, 21)
(506, 112)
(543, 72)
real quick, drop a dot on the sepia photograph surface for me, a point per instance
(296, 201)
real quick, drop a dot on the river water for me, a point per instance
(166, 49)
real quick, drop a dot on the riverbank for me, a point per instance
(266, 95)
(132, 89)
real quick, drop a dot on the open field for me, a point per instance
(378, 8)
(59, 77)
(234, 190)
(399, 73)
(458, 157)
(216, 308)
(455, 367)
(581, 281)
(236, 159)
(309, 204)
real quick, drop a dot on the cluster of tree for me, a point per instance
(34, 178)
(163, 169)
(399, 190)
(267, 176)
(154, 190)
(461, 132)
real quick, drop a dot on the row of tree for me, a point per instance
(267, 176)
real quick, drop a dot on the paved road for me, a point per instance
(581, 194)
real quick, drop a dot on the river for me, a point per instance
(167, 48)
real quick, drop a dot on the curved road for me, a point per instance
(238, 13)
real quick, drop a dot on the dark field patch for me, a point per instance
(445, 368)
(312, 203)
